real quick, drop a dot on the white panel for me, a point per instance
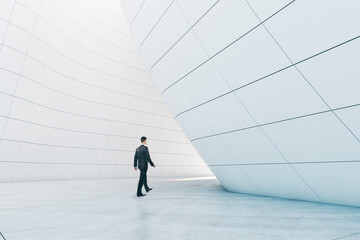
(194, 125)
(265, 8)
(336, 73)
(9, 150)
(234, 179)
(33, 70)
(42, 153)
(238, 18)
(172, 97)
(49, 11)
(334, 183)
(32, 4)
(6, 8)
(148, 17)
(351, 117)
(252, 57)
(219, 117)
(23, 17)
(28, 171)
(193, 10)
(5, 101)
(132, 7)
(73, 171)
(164, 72)
(186, 55)
(44, 116)
(10, 59)
(106, 171)
(2, 123)
(91, 171)
(206, 80)
(150, 49)
(280, 96)
(3, 26)
(122, 171)
(26, 89)
(301, 36)
(252, 146)
(6, 170)
(14, 130)
(280, 181)
(91, 8)
(38, 52)
(316, 138)
(213, 151)
(171, 28)
(17, 38)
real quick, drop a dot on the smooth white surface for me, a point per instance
(211, 31)
(221, 118)
(204, 80)
(265, 9)
(144, 22)
(349, 116)
(336, 74)
(299, 140)
(301, 37)
(193, 11)
(252, 147)
(175, 209)
(75, 97)
(225, 67)
(284, 95)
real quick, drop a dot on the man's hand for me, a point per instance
(135, 168)
(154, 166)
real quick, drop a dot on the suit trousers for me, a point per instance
(142, 181)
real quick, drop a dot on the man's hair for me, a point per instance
(142, 139)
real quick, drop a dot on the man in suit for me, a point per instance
(141, 159)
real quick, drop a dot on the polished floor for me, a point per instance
(175, 209)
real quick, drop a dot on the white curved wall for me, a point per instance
(267, 91)
(75, 97)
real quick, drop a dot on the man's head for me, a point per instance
(143, 140)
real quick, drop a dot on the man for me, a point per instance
(141, 159)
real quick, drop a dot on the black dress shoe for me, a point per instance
(141, 195)
(149, 189)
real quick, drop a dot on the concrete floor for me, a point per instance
(193, 209)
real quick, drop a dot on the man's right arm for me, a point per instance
(135, 160)
(148, 157)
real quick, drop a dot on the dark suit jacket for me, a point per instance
(143, 156)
